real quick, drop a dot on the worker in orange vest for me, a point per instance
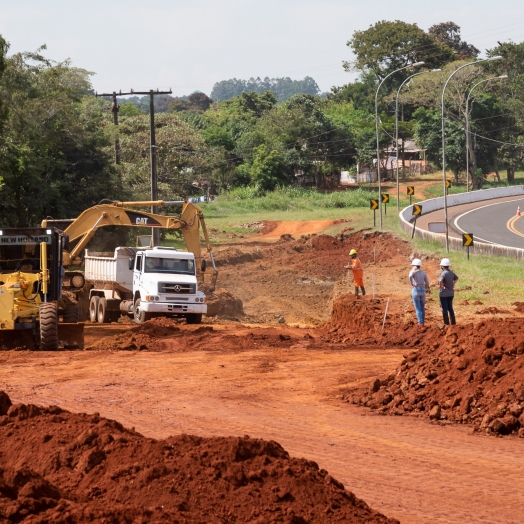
(358, 272)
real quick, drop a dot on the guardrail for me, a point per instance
(479, 248)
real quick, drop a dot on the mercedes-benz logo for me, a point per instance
(177, 288)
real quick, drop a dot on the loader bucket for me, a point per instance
(71, 336)
(17, 339)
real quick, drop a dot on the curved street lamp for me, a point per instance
(396, 123)
(467, 123)
(444, 140)
(376, 130)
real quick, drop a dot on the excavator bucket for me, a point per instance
(71, 336)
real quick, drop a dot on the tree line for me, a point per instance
(57, 138)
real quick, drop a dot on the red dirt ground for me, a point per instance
(281, 367)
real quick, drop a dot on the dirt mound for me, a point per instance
(359, 321)
(65, 467)
(224, 304)
(492, 311)
(519, 306)
(463, 374)
(233, 256)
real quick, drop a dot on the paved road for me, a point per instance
(495, 223)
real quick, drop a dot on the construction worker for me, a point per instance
(358, 272)
(420, 284)
(446, 285)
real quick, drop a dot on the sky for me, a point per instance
(190, 45)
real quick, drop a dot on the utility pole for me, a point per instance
(155, 234)
(154, 184)
(114, 109)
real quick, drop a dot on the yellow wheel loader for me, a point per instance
(31, 274)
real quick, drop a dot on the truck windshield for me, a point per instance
(173, 266)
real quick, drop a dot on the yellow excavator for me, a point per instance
(31, 275)
(115, 213)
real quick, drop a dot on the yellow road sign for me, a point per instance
(417, 210)
(467, 239)
(373, 204)
(411, 190)
(385, 198)
(448, 184)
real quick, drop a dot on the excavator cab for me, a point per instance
(31, 275)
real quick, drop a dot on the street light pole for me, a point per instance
(444, 141)
(467, 123)
(376, 131)
(396, 124)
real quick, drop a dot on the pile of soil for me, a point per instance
(232, 256)
(519, 306)
(224, 304)
(492, 311)
(358, 321)
(463, 374)
(165, 335)
(57, 466)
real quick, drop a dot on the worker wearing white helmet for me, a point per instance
(419, 285)
(446, 284)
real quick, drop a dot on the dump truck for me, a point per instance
(32, 312)
(144, 283)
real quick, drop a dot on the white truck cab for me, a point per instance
(165, 282)
(143, 283)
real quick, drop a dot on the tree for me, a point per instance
(388, 46)
(448, 33)
(200, 101)
(54, 155)
(284, 88)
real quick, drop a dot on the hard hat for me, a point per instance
(416, 262)
(353, 252)
(445, 262)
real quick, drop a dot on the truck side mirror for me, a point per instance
(203, 265)
(131, 264)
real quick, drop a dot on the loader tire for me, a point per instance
(194, 318)
(140, 315)
(48, 327)
(93, 309)
(103, 313)
(72, 314)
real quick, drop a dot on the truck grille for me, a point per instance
(179, 289)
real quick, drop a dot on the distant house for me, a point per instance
(414, 158)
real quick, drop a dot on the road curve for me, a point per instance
(494, 223)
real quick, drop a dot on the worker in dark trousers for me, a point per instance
(446, 285)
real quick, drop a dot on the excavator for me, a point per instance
(115, 213)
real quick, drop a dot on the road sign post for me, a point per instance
(373, 204)
(411, 192)
(448, 185)
(385, 200)
(416, 212)
(467, 241)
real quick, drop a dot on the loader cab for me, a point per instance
(20, 251)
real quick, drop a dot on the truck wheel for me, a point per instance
(103, 313)
(194, 318)
(140, 315)
(93, 309)
(48, 327)
(71, 314)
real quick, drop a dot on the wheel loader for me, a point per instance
(31, 274)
